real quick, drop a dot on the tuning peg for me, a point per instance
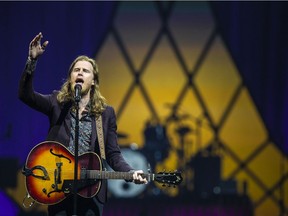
(149, 168)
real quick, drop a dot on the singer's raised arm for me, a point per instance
(26, 92)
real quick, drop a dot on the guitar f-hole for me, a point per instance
(59, 155)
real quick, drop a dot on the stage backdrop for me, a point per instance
(186, 79)
(256, 35)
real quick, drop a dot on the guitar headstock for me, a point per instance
(169, 178)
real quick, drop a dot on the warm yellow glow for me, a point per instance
(216, 81)
(244, 130)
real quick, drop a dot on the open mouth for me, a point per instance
(79, 80)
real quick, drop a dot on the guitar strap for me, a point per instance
(99, 129)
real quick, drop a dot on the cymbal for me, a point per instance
(121, 135)
(183, 130)
(175, 117)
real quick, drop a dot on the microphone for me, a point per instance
(77, 89)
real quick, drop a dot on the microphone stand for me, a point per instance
(75, 183)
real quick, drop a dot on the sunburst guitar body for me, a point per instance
(49, 174)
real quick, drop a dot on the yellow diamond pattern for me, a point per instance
(191, 38)
(145, 23)
(114, 72)
(163, 78)
(217, 80)
(243, 120)
(161, 59)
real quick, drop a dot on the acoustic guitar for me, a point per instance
(49, 174)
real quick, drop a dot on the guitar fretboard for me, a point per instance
(96, 174)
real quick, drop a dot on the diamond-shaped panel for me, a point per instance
(114, 74)
(253, 189)
(163, 78)
(190, 105)
(228, 166)
(244, 130)
(217, 80)
(269, 171)
(192, 38)
(267, 208)
(131, 121)
(137, 28)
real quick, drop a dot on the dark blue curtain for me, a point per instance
(72, 29)
(256, 34)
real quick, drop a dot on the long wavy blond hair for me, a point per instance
(97, 101)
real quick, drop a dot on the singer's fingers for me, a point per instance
(45, 43)
(38, 38)
(35, 40)
(32, 43)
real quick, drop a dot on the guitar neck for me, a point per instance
(96, 174)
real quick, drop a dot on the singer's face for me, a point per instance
(82, 73)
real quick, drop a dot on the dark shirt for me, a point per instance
(85, 131)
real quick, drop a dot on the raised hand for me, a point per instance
(35, 47)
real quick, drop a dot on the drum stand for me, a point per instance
(182, 131)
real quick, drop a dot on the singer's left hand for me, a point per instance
(138, 178)
(36, 48)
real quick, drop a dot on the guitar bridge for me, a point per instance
(67, 186)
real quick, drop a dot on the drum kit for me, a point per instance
(155, 150)
(121, 188)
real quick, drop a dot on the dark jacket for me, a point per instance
(60, 125)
